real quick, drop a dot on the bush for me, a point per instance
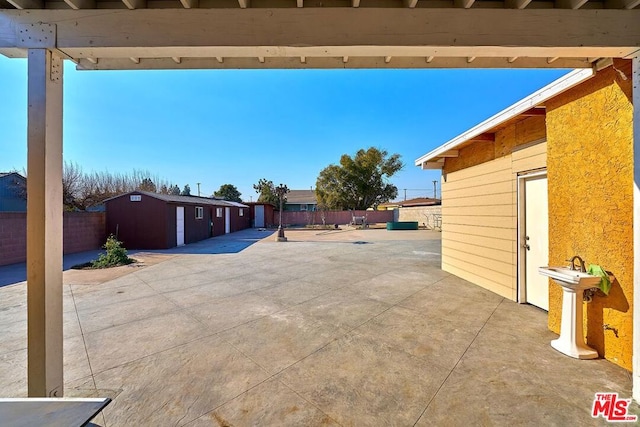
(116, 255)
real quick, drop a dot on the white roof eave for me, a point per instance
(429, 160)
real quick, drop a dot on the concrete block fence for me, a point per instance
(331, 217)
(83, 231)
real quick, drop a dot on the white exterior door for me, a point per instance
(180, 225)
(259, 216)
(536, 241)
(227, 220)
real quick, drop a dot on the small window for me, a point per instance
(303, 207)
(219, 212)
(199, 212)
(241, 212)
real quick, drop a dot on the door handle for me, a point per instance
(526, 246)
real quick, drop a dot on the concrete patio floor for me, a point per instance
(351, 328)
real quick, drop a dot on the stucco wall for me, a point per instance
(590, 171)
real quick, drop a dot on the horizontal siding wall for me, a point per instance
(479, 225)
(530, 158)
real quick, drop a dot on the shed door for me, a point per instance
(227, 220)
(259, 218)
(536, 244)
(180, 225)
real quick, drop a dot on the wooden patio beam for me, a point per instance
(478, 32)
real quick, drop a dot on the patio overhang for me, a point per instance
(268, 34)
(326, 37)
(532, 105)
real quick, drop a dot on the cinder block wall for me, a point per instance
(83, 231)
(332, 217)
(425, 215)
(13, 237)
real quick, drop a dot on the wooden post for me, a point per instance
(636, 228)
(44, 224)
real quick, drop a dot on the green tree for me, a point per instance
(147, 185)
(359, 182)
(174, 190)
(228, 192)
(186, 191)
(267, 192)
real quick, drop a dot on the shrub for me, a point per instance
(115, 255)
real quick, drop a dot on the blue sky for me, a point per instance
(237, 126)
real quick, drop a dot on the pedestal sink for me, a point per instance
(573, 283)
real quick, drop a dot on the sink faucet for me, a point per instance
(572, 264)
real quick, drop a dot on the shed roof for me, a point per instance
(183, 199)
(302, 197)
(532, 105)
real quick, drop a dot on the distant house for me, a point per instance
(301, 200)
(144, 220)
(411, 203)
(13, 192)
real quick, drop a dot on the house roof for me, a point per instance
(5, 174)
(532, 105)
(183, 199)
(418, 201)
(301, 197)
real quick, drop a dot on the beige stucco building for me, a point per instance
(546, 179)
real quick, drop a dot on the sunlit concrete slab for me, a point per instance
(348, 327)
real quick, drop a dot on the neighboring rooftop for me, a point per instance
(3, 174)
(418, 201)
(302, 197)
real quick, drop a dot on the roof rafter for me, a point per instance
(81, 4)
(135, 4)
(27, 4)
(622, 4)
(516, 4)
(466, 4)
(570, 4)
(188, 4)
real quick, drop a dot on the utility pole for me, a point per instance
(405, 194)
(198, 188)
(435, 194)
